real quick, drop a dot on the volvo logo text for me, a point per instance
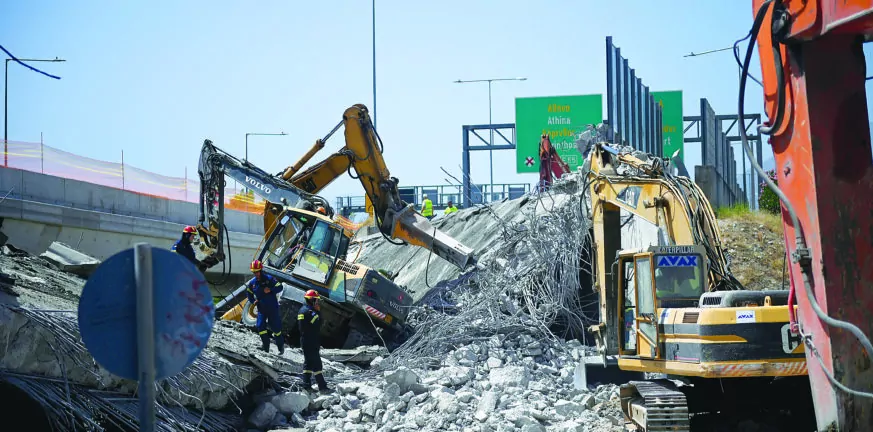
(258, 185)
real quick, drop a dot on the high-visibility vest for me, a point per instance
(450, 210)
(427, 207)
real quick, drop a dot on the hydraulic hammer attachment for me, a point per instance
(415, 229)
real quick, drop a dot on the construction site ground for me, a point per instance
(492, 349)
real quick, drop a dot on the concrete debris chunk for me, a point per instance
(568, 409)
(70, 260)
(403, 377)
(290, 403)
(348, 387)
(279, 420)
(486, 405)
(263, 415)
(451, 376)
(514, 376)
(588, 401)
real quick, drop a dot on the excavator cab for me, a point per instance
(661, 277)
(307, 245)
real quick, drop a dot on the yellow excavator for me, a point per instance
(303, 245)
(673, 308)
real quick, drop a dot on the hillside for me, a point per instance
(755, 246)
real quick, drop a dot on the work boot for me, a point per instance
(265, 343)
(322, 384)
(307, 381)
(280, 343)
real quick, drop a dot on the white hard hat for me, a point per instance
(424, 195)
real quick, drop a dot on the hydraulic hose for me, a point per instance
(801, 254)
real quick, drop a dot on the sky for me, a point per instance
(154, 79)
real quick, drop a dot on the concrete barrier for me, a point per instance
(100, 221)
(74, 194)
(34, 226)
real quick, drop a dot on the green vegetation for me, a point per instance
(742, 212)
(768, 201)
(736, 211)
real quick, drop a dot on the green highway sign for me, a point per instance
(562, 117)
(671, 121)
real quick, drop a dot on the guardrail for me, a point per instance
(440, 196)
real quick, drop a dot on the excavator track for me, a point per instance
(655, 406)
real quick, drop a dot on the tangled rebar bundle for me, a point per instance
(537, 279)
(69, 405)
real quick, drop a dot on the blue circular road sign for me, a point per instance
(183, 314)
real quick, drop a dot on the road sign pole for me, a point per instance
(145, 335)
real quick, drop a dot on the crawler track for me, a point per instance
(655, 406)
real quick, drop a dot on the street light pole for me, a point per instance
(6, 103)
(258, 134)
(490, 122)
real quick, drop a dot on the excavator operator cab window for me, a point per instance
(679, 276)
(328, 240)
(280, 245)
(629, 309)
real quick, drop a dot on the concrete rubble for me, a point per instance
(495, 347)
(70, 260)
(508, 372)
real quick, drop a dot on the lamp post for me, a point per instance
(491, 131)
(6, 103)
(258, 134)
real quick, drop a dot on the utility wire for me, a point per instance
(27, 65)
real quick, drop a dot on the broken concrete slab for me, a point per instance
(360, 355)
(70, 260)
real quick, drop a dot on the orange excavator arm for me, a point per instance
(814, 83)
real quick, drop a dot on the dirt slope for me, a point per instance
(756, 248)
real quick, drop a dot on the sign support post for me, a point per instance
(145, 334)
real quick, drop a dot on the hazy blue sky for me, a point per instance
(156, 78)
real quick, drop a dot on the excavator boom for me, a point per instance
(363, 152)
(292, 188)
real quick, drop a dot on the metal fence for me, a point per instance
(632, 112)
(44, 159)
(724, 174)
(440, 195)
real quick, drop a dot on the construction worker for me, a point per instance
(309, 324)
(426, 207)
(263, 291)
(321, 210)
(450, 209)
(183, 247)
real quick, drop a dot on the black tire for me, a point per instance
(249, 315)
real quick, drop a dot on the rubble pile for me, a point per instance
(484, 356)
(501, 383)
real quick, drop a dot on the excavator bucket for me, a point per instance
(415, 229)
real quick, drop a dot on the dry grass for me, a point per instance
(756, 246)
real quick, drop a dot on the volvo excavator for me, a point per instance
(305, 248)
(673, 308)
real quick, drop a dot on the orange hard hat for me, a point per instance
(321, 210)
(189, 230)
(256, 266)
(311, 294)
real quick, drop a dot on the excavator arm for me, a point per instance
(214, 165)
(639, 184)
(395, 218)
(625, 179)
(363, 152)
